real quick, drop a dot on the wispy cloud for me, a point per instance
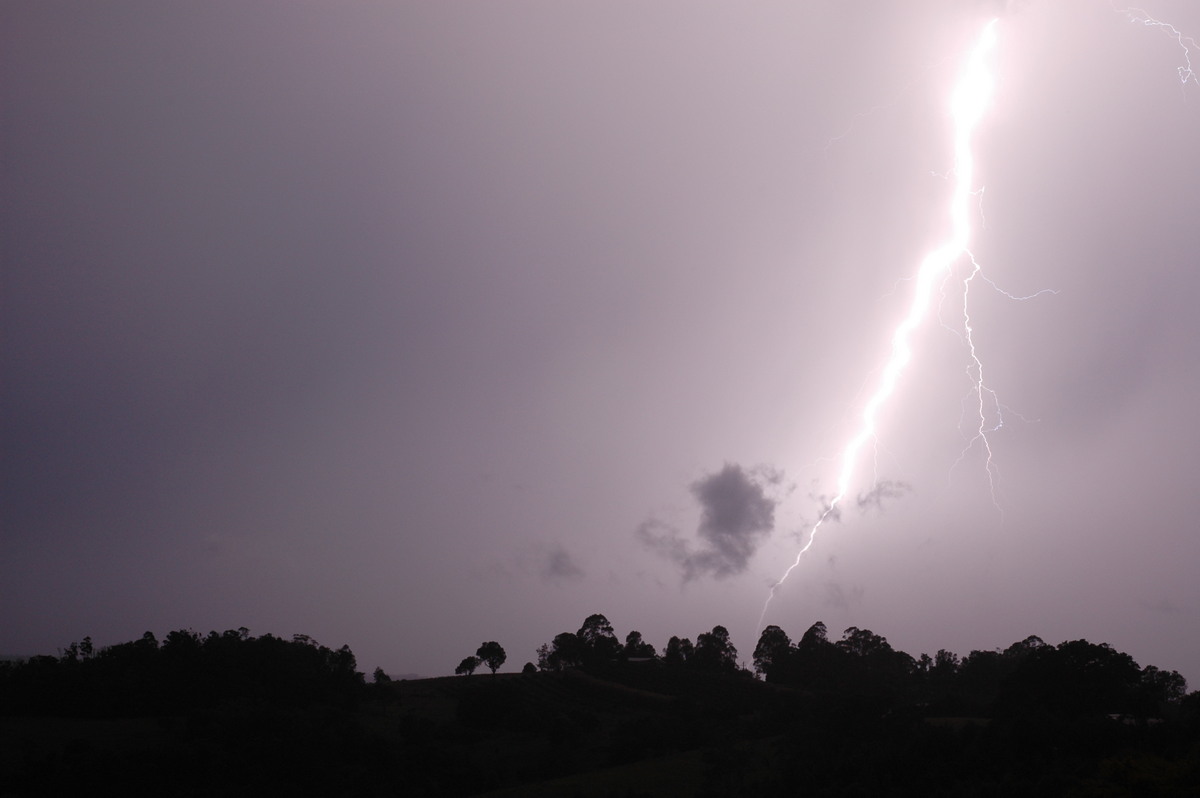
(558, 566)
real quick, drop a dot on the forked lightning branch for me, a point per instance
(969, 101)
(971, 97)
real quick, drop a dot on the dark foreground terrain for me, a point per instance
(232, 714)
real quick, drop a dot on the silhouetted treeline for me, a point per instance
(183, 673)
(222, 714)
(595, 646)
(854, 716)
(1073, 678)
(232, 714)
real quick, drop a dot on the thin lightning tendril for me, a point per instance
(1186, 43)
(970, 99)
(978, 390)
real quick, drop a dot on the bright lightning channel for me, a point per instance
(970, 99)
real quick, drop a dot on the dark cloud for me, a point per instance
(735, 515)
(559, 567)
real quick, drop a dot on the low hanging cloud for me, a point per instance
(559, 567)
(736, 514)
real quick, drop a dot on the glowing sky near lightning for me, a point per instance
(390, 324)
(970, 100)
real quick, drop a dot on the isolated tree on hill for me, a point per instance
(467, 666)
(595, 627)
(492, 655)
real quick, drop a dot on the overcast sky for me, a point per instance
(411, 325)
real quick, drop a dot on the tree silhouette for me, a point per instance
(772, 652)
(468, 666)
(565, 651)
(636, 647)
(714, 651)
(599, 643)
(678, 651)
(863, 643)
(1076, 678)
(1162, 687)
(815, 663)
(492, 655)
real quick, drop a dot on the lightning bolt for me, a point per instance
(1186, 43)
(969, 100)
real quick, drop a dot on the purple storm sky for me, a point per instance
(412, 325)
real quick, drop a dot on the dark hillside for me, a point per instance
(232, 714)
